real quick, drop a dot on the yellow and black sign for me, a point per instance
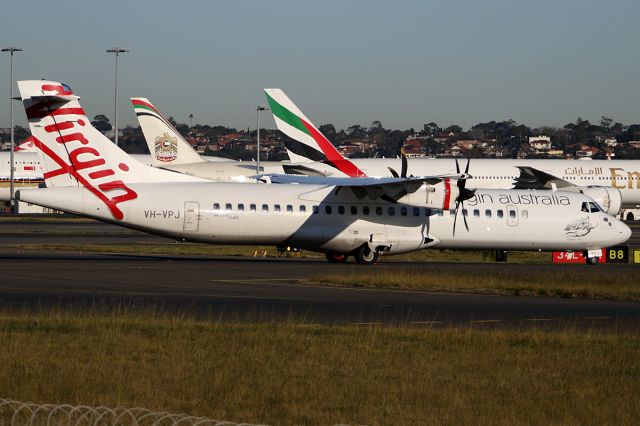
(618, 254)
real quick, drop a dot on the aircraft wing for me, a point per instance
(387, 188)
(532, 178)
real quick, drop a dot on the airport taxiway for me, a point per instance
(245, 289)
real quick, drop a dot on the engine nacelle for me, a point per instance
(609, 199)
(441, 196)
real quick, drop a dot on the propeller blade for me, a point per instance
(466, 194)
(464, 216)
(405, 165)
(455, 219)
(393, 172)
(457, 167)
(466, 169)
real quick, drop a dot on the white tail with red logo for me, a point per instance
(74, 153)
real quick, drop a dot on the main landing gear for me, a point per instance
(336, 257)
(363, 256)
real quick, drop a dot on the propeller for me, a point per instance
(464, 194)
(404, 166)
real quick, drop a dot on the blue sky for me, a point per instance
(404, 63)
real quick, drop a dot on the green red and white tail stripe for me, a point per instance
(292, 122)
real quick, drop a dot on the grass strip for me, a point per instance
(288, 374)
(584, 283)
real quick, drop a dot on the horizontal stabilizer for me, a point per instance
(532, 178)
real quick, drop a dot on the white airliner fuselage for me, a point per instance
(315, 218)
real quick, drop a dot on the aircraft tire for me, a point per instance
(336, 257)
(592, 260)
(364, 256)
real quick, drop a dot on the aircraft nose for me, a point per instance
(624, 232)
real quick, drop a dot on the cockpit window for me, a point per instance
(590, 207)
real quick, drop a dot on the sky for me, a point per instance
(404, 63)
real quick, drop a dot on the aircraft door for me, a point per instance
(191, 216)
(512, 215)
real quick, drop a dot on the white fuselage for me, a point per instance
(500, 173)
(623, 175)
(315, 218)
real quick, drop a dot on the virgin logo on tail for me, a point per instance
(91, 162)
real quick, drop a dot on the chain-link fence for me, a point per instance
(17, 413)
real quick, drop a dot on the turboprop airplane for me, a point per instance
(612, 183)
(87, 174)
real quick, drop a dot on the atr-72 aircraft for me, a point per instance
(612, 183)
(88, 175)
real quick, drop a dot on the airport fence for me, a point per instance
(17, 413)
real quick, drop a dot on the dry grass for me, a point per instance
(287, 374)
(170, 248)
(173, 248)
(585, 282)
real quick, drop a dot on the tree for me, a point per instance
(430, 129)
(101, 123)
(605, 123)
(454, 128)
(329, 131)
(357, 131)
(376, 126)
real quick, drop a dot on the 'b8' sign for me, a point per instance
(618, 254)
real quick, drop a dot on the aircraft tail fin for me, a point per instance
(74, 153)
(166, 144)
(309, 143)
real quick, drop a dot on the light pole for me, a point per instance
(258, 109)
(12, 200)
(117, 51)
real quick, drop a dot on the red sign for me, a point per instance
(575, 257)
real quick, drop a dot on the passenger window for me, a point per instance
(391, 211)
(354, 210)
(465, 212)
(265, 208)
(216, 206)
(452, 213)
(365, 210)
(228, 207)
(327, 209)
(276, 208)
(416, 211)
(252, 207)
(524, 214)
(340, 209)
(289, 208)
(440, 213)
(403, 211)
(240, 207)
(316, 210)
(303, 209)
(487, 213)
(500, 214)
(476, 213)
(512, 214)
(379, 211)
